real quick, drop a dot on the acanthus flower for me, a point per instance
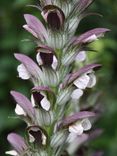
(40, 98)
(46, 56)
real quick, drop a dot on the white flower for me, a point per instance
(12, 152)
(45, 103)
(81, 56)
(78, 128)
(19, 110)
(40, 61)
(23, 73)
(85, 80)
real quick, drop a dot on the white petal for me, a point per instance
(91, 38)
(33, 101)
(19, 110)
(31, 138)
(44, 139)
(55, 63)
(81, 56)
(92, 80)
(82, 81)
(86, 124)
(76, 94)
(76, 128)
(23, 73)
(45, 104)
(12, 152)
(39, 60)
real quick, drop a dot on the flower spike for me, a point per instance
(61, 110)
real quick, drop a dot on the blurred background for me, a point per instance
(12, 36)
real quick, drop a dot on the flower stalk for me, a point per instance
(56, 124)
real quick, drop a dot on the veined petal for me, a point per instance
(82, 81)
(35, 24)
(23, 102)
(17, 142)
(23, 73)
(12, 152)
(76, 128)
(76, 94)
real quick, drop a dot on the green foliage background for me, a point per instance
(12, 34)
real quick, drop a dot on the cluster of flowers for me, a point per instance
(55, 123)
